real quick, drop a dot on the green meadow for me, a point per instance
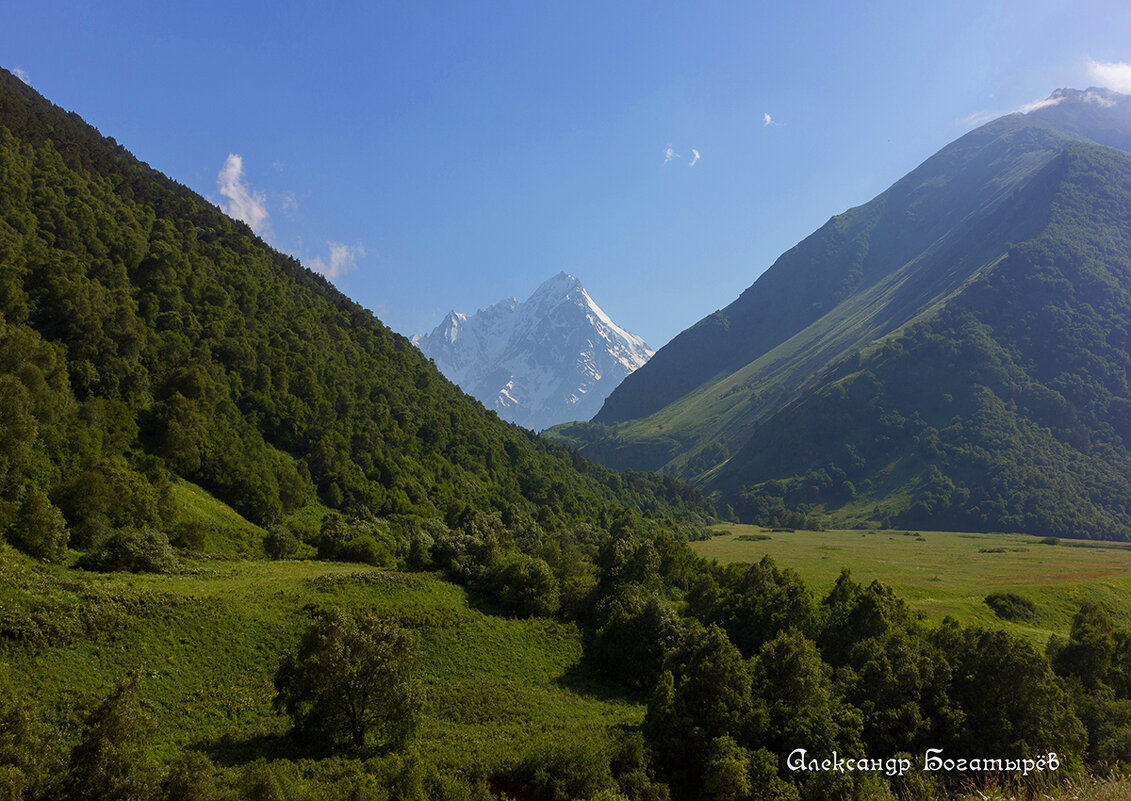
(208, 640)
(944, 573)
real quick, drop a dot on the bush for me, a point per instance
(39, 529)
(23, 744)
(525, 586)
(363, 548)
(563, 767)
(191, 778)
(355, 540)
(135, 550)
(1010, 606)
(189, 535)
(280, 542)
(112, 759)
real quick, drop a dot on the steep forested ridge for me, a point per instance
(953, 354)
(143, 333)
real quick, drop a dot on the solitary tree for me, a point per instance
(351, 682)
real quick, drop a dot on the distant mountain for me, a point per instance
(955, 352)
(553, 358)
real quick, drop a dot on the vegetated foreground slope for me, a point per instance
(142, 331)
(953, 354)
(208, 643)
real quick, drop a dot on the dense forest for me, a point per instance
(150, 347)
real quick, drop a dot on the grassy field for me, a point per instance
(208, 640)
(949, 573)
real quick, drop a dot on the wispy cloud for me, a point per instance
(694, 157)
(1099, 99)
(977, 118)
(1054, 100)
(1116, 76)
(343, 259)
(288, 201)
(244, 203)
(669, 154)
(768, 120)
(985, 115)
(21, 74)
(1111, 74)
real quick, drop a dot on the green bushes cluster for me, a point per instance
(1011, 606)
(136, 550)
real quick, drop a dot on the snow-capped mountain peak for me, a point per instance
(552, 358)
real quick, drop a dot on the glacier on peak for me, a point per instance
(550, 359)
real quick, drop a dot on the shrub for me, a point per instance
(135, 550)
(525, 586)
(112, 759)
(39, 528)
(1010, 606)
(363, 548)
(280, 542)
(191, 778)
(562, 767)
(189, 534)
(23, 744)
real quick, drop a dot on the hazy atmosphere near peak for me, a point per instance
(428, 157)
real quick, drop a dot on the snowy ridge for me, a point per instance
(552, 358)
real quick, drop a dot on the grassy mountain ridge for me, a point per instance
(1018, 205)
(919, 215)
(144, 333)
(1007, 409)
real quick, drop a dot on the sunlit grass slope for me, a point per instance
(207, 642)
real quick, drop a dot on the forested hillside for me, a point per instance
(147, 336)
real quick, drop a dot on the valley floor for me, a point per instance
(944, 573)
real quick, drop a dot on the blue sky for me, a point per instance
(432, 156)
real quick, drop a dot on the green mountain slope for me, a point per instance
(144, 336)
(768, 393)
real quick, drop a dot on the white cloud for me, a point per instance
(343, 259)
(977, 118)
(695, 157)
(1111, 74)
(768, 120)
(1039, 104)
(21, 74)
(1099, 99)
(670, 154)
(985, 115)
(244, 203)
(288, 201)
